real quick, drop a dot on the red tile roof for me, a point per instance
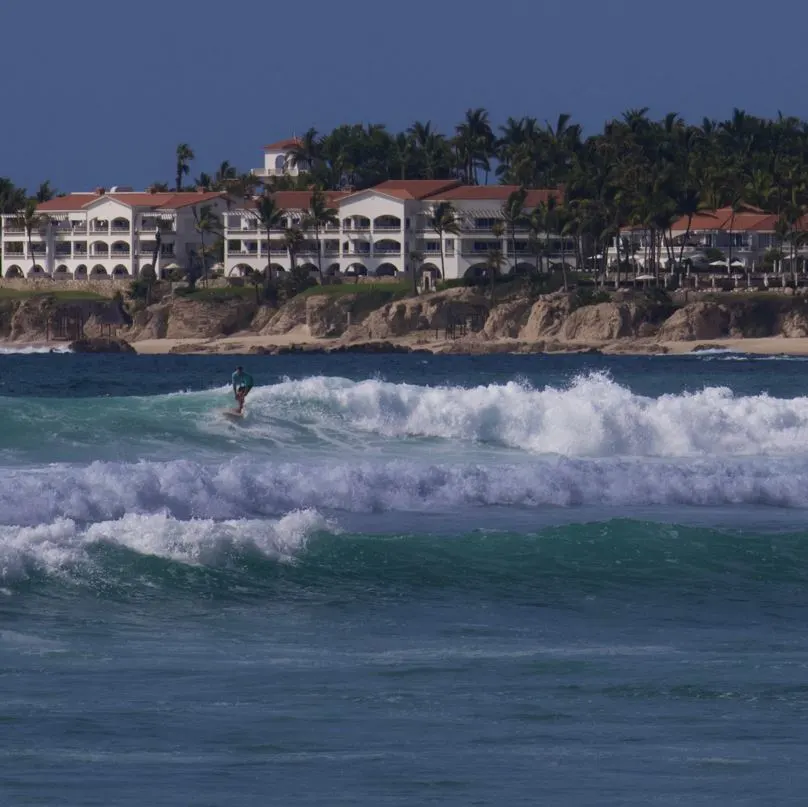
(746, 220)
(298, 200)
(284, 145)
(498, 193)
(415, 188)
(169, 200)
(61, 204)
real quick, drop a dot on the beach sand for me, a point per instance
(772, 345)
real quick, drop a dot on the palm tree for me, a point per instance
(226, 175)
(271, 217)
(444, 220)
(495, 260)
(256, 279)
(31, 219)
(158, 187)
(513, 214)
(184, 156)
(688, 204)
(474, 142)
(205, 222)
(416, 258)
(293, 240)
(306, 153)
(204, 181)
(45, 193)
(317, 217)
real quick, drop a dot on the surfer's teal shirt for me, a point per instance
(242, 379)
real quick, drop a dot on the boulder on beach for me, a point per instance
(101, 344)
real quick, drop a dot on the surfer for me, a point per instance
(242, 384)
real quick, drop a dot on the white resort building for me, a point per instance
(381, 227)
(108, 234)
(278, 160)
(723, 241)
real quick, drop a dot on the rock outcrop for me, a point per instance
(547, 317)
(101, 345)
(794, 323)
(702, 320)
(287, 318)
(507, 320)
(601, 322)
(188, 319)
(427, 312)
(208, 318)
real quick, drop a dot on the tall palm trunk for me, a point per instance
(686, 236)
(729, 251)
(319, 254)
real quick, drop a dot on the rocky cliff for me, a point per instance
(550, 322)
(34, 319)
(426, 313)
(181, 318)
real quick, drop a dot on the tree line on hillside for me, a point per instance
(635, 172)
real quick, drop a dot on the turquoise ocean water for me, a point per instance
(403, 580)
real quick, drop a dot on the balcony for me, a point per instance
(119, 228)
(13, 228)
(79, 251)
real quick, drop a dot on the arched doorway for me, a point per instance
(385, 270)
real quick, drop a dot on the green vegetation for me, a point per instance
(393, 290)
(70, 294)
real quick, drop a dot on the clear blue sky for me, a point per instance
(98, 93)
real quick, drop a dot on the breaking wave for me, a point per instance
(592, 416)
(237, 488)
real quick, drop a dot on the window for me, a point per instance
(484, 224)
(234, 246)
(450, 244)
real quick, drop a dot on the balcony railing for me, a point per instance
(124, 253)
(386, 228)
(387, 250)
(82, 251)
(13, 228)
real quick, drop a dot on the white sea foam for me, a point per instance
(592, 417)
(104, 492)
(26, 350)
(61, 546)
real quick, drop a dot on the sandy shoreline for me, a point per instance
(246, 344)
(772, 345)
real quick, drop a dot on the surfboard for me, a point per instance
(233, 414)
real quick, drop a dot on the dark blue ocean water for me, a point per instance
(404, 580)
